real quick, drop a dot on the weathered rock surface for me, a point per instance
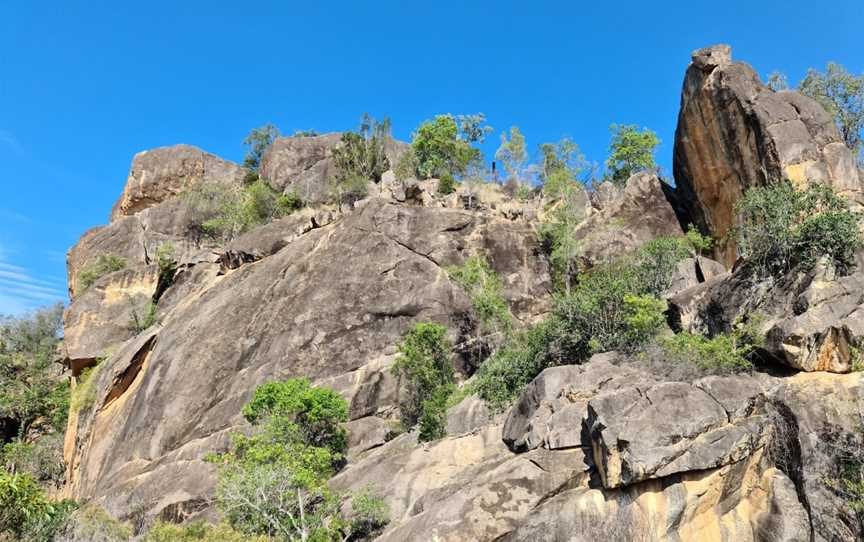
(669, 428)
(627, 217)
(160, 174)
(745, 449)
(734, 133)
(812, 319)
(304, 164)
(274, 318)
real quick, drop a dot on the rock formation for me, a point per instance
(734, 133)
(610, 449)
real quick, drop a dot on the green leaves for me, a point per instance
(631, 151)
(842, 96)
(98, 268)
(258, 141)
(781, 227)
(360, 158)
(425, 376)
(513, 154)
(441, 149)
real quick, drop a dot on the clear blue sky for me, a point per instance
(84, 85)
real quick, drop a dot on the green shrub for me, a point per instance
(360, 158)
(198, 532)
(485, 291)
(274, 481)
(223, 211)
(42, 458)
(503, 375)
(524, 192)
(424, 366)
(699, 244)
(512, 153)
(315, 411)
(842, 96)
(144, 317)
(631, 151)
(369, 515)
(92, 523)
(83, 395)
(31, 391)
(98, 268)
(443, 145)
(26, 513)
(406, 167)
(167, 264)
(614, 306)
(719, 354)
(782, 227)
(446, 184)
(258, 141)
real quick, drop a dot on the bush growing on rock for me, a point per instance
(98, 268)
(443, 145)
(224, 212)
(258, 141)
(360, 158)
(485, 291)
(612, 307)
(782, 227)
(631, 151)
(91, 523)
(513, 154)
(425, 375)
(198, 532)
(274, 482)
(842, 96)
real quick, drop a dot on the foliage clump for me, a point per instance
(223, 212)
(486, 292)
(31, 391)
(26, 512)
(842, 96)
(98, 268)
(631, 151)
(360, 158)
(443, 145)
(258, 141)
(425, 375)
(721, 354)
(615, 306)
(274, 482)
(781, 228)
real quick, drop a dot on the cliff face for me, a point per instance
(603, 450)
(734, 133)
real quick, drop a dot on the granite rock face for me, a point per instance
(812, 319)
(627, 217)
(735, 133)
(159, 174)
(314, 305)
(304, 165)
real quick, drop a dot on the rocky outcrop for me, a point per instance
(160, 174)
(626, 217)
(734, 133)
(812, 319)
(304, 165)
(740, 464)
(319, 306)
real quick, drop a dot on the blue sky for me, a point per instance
(84, 85)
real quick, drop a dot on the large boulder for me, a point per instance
(626, 217)
(735, 133)
(812, 319)
(163, 173)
